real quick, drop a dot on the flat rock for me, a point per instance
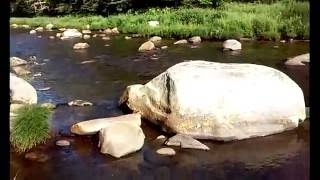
(79, 102)
(185, 141)
(88, 62)
(166, 151)
(298, 60)
(182, 41)
(44, 89)
(51, 37)
(62, 143)
(86, 36)
(164, 47)
(86, 31)
(81, 46)
(72, 33)
(106, 38)
(155, 39)
(195, 39)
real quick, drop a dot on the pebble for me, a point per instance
(166, 151)
(164, 47)
(62, 143)
(44, 89)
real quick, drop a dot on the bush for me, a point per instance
(22, 9)
(30, 127)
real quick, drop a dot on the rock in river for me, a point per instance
(93, 126)
(221, 101)
(49, 26)
(231, 44)
(62, 143)
(155, 39)
(79, 102)
(15, 61)
(185, 141)
(81, 46)
(120, 139)
(195, 39)
(21, 91)
(71, 33)
(299, 60)
(147, 46)
(166, 151)
(182, 41)
(21, 70)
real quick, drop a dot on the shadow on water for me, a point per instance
(281, 156)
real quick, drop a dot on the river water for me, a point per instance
(119, 64)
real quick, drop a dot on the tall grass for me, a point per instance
(232, 20)
(30, 127)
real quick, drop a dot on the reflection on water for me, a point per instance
(281, 156)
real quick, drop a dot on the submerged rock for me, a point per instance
(166, 151)
(155, 39)
(182, 41)
(62, 143)
(127, 37)
(21, 91)
(220, 101)
(195, 39)
(299, 60)
(120, 139)
(231, 44)
(93, 126)
(81, 46)
(16, 61)
(147, 46)
(79, 102)
(40, 29)
(86, 31)
(185, 141)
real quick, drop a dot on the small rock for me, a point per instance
(193, 47)
(79, 103)
(155, 39)
(51, 37)
(154, 58)
(33, 32)
(86, 36)
(25, 26)
(81, 46)
(49, 26)
(183, 41)
(86, 31)
(107, 45)
(64, 38)
(106, 38)
(136, 35)
(115, 31)
(14, 25)
(44, 89)
(290, 40)
(153, 23)
(40, 29)
(87, 62)
(107, 31)
(231, 44)
(195, 39)
(166, 151)
(48, 105)
(185, 141)
(58, 34)
(127, 37)
(62, 143)
(283, 41)
(62, 29)
(161, 137)
(36, 156)
(15, 61)
(147, 46)
(72, 33)
(102, 35)
(20, 71)
(164, 47)
(46, 60)
(37, 74)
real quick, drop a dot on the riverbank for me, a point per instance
(232, 20)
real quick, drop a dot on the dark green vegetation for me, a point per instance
(30, 127)
(284, 19)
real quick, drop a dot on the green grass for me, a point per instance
(232, 20)
(30, 127)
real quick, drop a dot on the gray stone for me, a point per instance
(166, 151)
(182, 41)
(147, 46)
(62, 143)
(231, 44)
(195, 39)
(299, 60)
(81, 46)
(185, 141)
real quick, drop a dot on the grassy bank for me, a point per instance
(232, 20)
(30, 127)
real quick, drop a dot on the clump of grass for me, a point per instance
(30, 127)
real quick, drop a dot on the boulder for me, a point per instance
(147, 46)
(86, 36)
(21, 91)
(115, 31)
(299, 60)
(15, 61)
(120, 139)
(51, 37)
(71, 33)
(195, 39)
(231, 44)
(166, 151)
(40, 29)
(86, 31)
(155, 39)
(153, 23)
(127, 37)
(49, 26)
(81, 46)
(107, 31)
(93, 126)
(185, 141)
(182, 41)
(33, 32)
(20, 70)
(221, 101)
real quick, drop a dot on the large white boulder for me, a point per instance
(21, 91)
(220, 101)
(93, 126)
(120, 139)
(232, 44)
(71, 33)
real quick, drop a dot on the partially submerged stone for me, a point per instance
(107, 31)
(147, 46)
(86, 36)
(93, 126)
(44, 89)
(185, 141)
(33, 32)
(182, 41)
(49, 26)
(79, 102)
(21, 91)
(20, 70)
(62, 143)
(155, 39)
(81, 46)
(16, 61)
(40, 29)
(166, 151)
(71, 33)
(106, 38)
(299, 60)
(221, 101)
(86, 31)
(164, 47)
(195, 39)
(127, 37)
(120, 139)
(115, 31)
(51, 37)
(231, 44)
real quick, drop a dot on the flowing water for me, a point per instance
(102, 81)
